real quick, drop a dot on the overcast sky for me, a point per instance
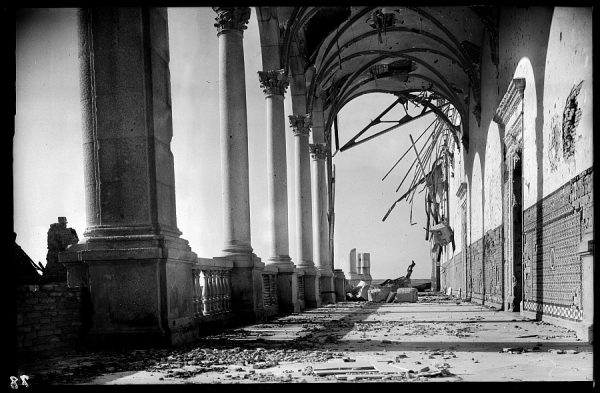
(48, 170)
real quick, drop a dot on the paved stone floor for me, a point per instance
(438, 339)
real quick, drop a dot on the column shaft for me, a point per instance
(234, 143)
(277, 178)
(274, 83)
(300, 125)
(127, 128)
(304, 239)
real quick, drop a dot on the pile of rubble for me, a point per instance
(216, 359)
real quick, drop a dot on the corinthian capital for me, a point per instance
(273, 81)
(231, 18)
(318, 150)
(300, 124)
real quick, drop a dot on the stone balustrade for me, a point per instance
(269, 288)
(212, 287)
(301, 287)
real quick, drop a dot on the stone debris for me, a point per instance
(378, 294)
(408, 295)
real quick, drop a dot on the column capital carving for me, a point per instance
(231, 18)
(318, 150)
(300, 124)
(273, 81)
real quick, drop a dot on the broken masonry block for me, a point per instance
(408, 295)
(378, 294)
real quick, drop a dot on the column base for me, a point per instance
(312, 293)
(287, 292)
(287, 284)
(339, 282)
(246, 288)
(138, 296)
(327, 292)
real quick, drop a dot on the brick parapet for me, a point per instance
(49, 318)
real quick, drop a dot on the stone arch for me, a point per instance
(530, 143)
(492, 188)
(476, 197)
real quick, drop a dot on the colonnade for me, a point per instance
(139, 271)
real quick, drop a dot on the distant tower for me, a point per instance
(365, 263)
(353, 274)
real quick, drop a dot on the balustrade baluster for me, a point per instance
(221, 292)
(227, 291)
(196, 292)
(213, 291)
(205, 295)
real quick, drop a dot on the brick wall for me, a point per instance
(476, 251)
(553, 229)
(494, 272)
(452, 274)
(49, 318)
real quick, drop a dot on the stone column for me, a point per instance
(231, 22)
(137, 269)
(274, 84)
(318, 153)
(301, 127)
(246, 279)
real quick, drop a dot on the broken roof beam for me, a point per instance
(377, 120)
(405, 120)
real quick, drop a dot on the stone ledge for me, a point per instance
(217, 264)
(243, 261)
(127, 253)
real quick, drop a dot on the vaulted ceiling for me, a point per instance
(401, 50)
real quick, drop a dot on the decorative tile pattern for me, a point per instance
(477, 272)
(552, 230)
(493, 257)
(555, 310)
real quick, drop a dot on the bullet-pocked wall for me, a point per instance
(551, 49)
(554, 223)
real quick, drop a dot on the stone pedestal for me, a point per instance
(312, 291)
(137, 269)
(327, 288)
(287, 290)
(339, 285)
(246, 288)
